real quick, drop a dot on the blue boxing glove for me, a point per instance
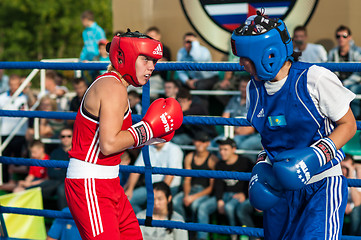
(294, 168)
(264, 189)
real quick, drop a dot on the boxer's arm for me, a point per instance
(345, 130)
(113, 104)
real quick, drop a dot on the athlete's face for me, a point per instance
(248, 66)
(144, 66)
(161, 202)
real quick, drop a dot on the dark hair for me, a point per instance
(189, 34)
(88, 15)
(300, 28)
(79, 80)
(343, 28)
(133, 93)
(162, 186)
(175, 82)
(184, 93)
(153, 28)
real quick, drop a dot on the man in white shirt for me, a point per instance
(313, 53)
(164, 155)
(18, 143)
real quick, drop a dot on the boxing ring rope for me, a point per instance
(148, 170)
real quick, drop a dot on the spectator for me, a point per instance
(36, 174)
(126, 160)
(245, 137)
(63, 229)
(346, 51)
(163, 210)
(80, 87)
(49, 128)
(228, 193)
(92, 34)
(4, 81)
(196, 190)
(29, 93)
(313, 53)
(194, 52)
(353, 208)
(103, 55)
(135, 102)
(171, 88)
(17, 146)
(185, 134)
(167, 155)
(54, 185)
(55, 90)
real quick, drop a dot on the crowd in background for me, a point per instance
(189, 199)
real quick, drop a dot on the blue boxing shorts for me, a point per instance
(314, 212)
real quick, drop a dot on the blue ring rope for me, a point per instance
(136, 118)
(148, 170)
(168, 66)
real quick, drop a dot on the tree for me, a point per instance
(31, 30)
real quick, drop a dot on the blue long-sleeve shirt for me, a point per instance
(197, 53)
(91, 36)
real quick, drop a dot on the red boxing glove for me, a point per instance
(163, 117)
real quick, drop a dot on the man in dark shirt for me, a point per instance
(54, 186)
(80, 87)
(229, 194)
(186, 133)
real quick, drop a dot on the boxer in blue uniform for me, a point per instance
(302, 113)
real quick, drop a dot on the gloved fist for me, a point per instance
(154, 141)
(264, 189)
(163, 117)
(294, 168)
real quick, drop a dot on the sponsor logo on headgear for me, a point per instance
(158, 50)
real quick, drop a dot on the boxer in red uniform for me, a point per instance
(103, 130)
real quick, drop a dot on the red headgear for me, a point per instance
(124, 50)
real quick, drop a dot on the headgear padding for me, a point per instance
(124, 50)
(265, 42)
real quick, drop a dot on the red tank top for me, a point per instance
(85, 144)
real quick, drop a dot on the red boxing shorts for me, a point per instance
(101, 210)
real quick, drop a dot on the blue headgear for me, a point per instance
(265, 42)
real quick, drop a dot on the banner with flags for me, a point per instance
(23, 226)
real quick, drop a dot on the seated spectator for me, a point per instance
(158, 77)
(63, 229)
(186, 133)
(171, 88)
(17, 145)
(49, 128)
(347, 51)
(135, 102)
(353, 208)
(168, 155)
(228, 193)
(245, 137)
(163, 210)
(53, 187)
(196, 190)
(32, 97)
(36, 174)
(4, 81)
(312, 53)
(55, 89)
(192, 51)
(102, 57)
(80, 87)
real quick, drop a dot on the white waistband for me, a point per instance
(334, 171)
(81, 169)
